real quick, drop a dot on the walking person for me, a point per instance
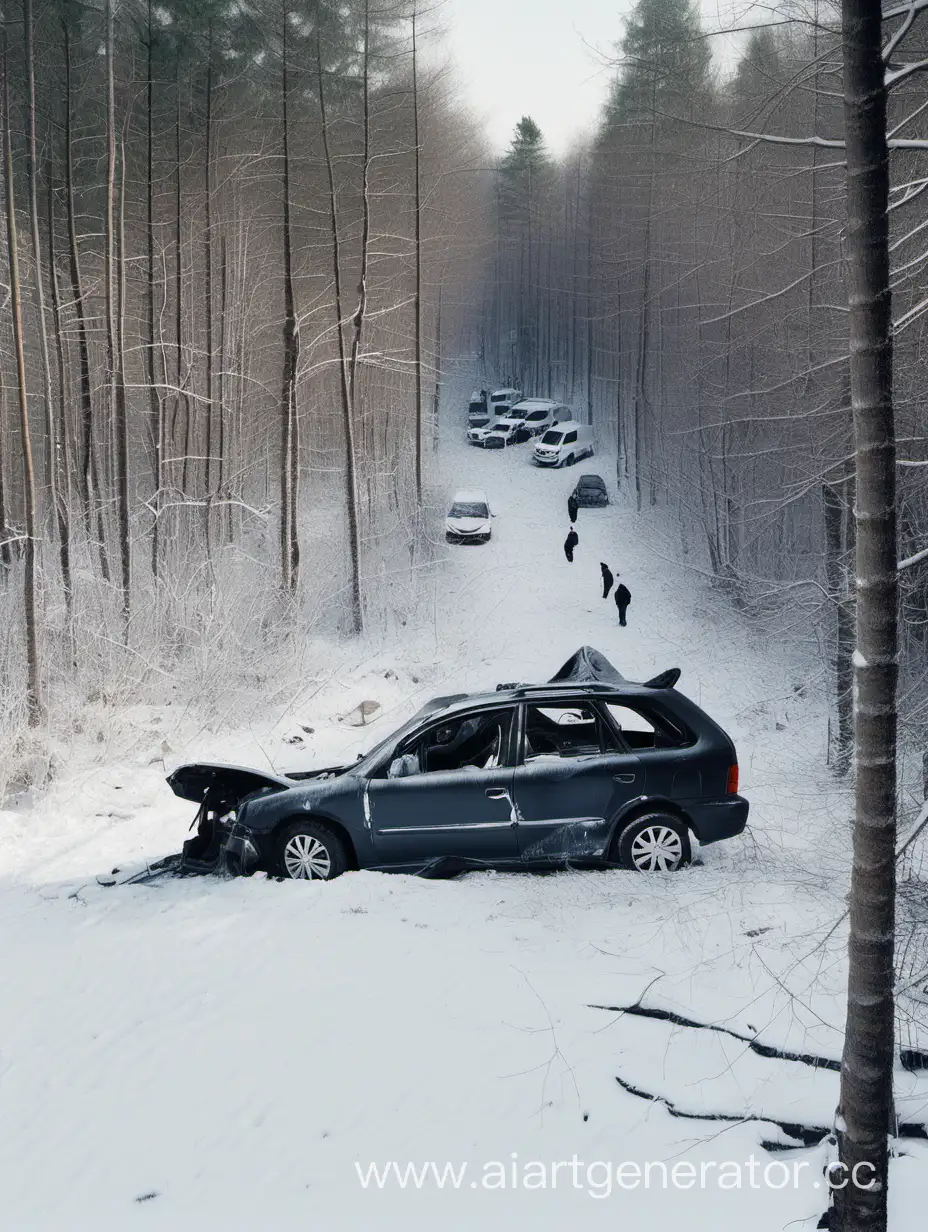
(570, 543)
(608, 579)
(623, 597)
(572, 507)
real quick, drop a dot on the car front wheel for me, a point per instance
(657, 842)
(308, 850)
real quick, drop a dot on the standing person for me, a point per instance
(570, 543)
(623, 597)
(572, 506)
(608, 579)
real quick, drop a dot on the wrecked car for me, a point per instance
(587, 768)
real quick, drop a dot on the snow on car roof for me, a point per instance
(469, 496)
(534, 403)
(504, 421)
(508, 390)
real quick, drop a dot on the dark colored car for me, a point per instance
(590, 492)
(589, 768)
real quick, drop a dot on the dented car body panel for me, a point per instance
(526, 776)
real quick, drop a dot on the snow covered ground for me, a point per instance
(225, 1054)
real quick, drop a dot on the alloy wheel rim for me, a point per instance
(657, 849)
(305, 858)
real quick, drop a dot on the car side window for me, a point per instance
(643, 731)
(570, 438)
(572, 729)
(471, 742)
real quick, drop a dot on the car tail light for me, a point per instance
(733, 780)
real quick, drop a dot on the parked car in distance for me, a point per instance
(539, 414)
(502, 400)
(478, 411)
(589, 768)
(563, 445)
(505, 432)
(590, 492)
(468, 519)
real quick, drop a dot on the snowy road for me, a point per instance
(223, 1054)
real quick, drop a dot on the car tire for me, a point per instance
(308, 850)
(656, 842)
(569, 460)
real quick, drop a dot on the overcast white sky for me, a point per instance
(544, 58)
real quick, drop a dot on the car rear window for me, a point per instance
(643, 729)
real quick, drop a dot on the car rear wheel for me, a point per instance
(657, 842)
(309, 851)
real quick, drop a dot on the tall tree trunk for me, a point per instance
(418, 290)
(181, 401)
(361, 309)
(51, 461)
(351, 477)
(33, 677)
(289, 441)
(155, 399)
(865, 1107)
(89, 471)
(208, 288)
(436, 401)
(63, 452)
(115, 382)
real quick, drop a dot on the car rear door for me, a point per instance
(458, 803)
(571, 778)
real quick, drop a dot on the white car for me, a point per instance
(540, 414)
(505, 432)
(468, 519)
(563, 445)
(478, 436)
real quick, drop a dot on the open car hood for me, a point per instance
(193, 781)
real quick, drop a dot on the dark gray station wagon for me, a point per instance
(588, 768)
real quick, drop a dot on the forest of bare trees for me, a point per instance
(228, 226)
(680, 280)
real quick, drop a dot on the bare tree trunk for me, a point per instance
(418, 291)
(63, 452)
(208, 289)
(351, 479)
(89, 476)
(289, 441)
(436, 401)
(865, 1109)
(33, 677)
(51, 462)
(181, 401)
(114, 377)
(155, 400)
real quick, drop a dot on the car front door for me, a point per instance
(450, 794)
(571, 778)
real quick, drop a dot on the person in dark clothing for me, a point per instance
(572, 507)
(608, 579)
(623, 597)
(570, 543)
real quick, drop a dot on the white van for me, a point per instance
(563, 445)
(539, 414)
(503, 400)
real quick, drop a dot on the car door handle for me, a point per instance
(497, 793)
(624, 778)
